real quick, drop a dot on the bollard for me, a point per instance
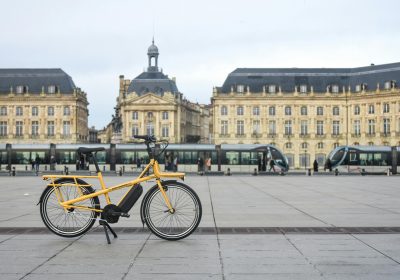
(228, 172)
(13, 171)
(66, 170)
(104, 168)
(336, 172)
(120, 171)
(363, 172)
(26, 167)
(388, 172)
(123, 169)
(255, 172)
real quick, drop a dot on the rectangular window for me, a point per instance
(304, 128)
(135, 115)
(3, 128)
(50, 111)
(288, 111)
(3, 111)
(240, 88)
(150, 129)
(165, 115)
(303, 88)
(35, 128)
(357, 128)
(50, 128)
(272, 127)
(320, 127)
(256, 111)
(240, 128)
(18, 128)
(288, 127)
(335, 89)
(271, 88)
(135, 130)
(386, 126)
(336, 128)
(271, 111)
(256, 127)
(239, 110)
(35, 111)
(67, 111)
(19, 111)
(51, 89)
(371, 127)
(66, 128)
(320, 111)
(386, 108)
(165, 131)
(371, 109)
(224, 127)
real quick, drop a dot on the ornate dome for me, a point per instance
(152, 49)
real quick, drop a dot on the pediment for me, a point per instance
(149, 99)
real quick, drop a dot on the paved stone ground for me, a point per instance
(228, 202)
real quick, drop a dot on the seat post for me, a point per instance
(95, 162)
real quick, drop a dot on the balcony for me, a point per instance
(356, 135)
(386, 134)
(271, 135)
(370, 134)
(304, 135)
(256, 135)
(224, 135)
(320, 136)
(240, 135)
(336, 135)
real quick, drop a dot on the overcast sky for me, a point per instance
(200, 42)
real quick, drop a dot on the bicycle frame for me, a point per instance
(157, 174)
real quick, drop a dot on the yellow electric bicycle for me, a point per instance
(171, 210)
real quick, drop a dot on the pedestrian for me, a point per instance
(138, 164)
(208, 164)
(328, 165)
(175, 164)
(259, 163)
(37, 162)
(200, 164)
(315, 165)
(272, 165)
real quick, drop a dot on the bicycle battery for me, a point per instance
(130, 198)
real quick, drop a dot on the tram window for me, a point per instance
(101, 157)
(366, 159)
(290, 158)
(380, 159)
(128, 157)
(320, 159)
(232, 158)
(29, 157)
(3, 157)
(353, 157)
(66, 157)
(245, 159)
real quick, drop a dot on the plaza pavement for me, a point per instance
(253, 227)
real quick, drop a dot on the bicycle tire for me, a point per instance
(68, 223)
(177, 225)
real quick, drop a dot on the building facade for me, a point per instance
(41, 106)
(152, 104)
(308, 112)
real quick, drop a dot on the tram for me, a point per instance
(364, 159)
(236, 157)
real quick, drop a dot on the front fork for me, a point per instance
(167, 201)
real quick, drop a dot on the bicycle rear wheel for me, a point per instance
(185, 218)
(72, 222)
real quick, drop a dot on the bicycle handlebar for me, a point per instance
(151, 139)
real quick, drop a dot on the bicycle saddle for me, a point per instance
(84, 150)
(146, 138)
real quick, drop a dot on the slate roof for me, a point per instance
(35, 79)
(319, 78)
(152, 81)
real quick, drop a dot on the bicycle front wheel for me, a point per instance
(68, 222)
(184, 218)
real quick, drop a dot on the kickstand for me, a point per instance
(107, 226)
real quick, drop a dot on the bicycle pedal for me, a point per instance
(125, 215)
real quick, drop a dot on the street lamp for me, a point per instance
(305, 159)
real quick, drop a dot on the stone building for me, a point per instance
(308, 112)
(152, 104)
(41, 106)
